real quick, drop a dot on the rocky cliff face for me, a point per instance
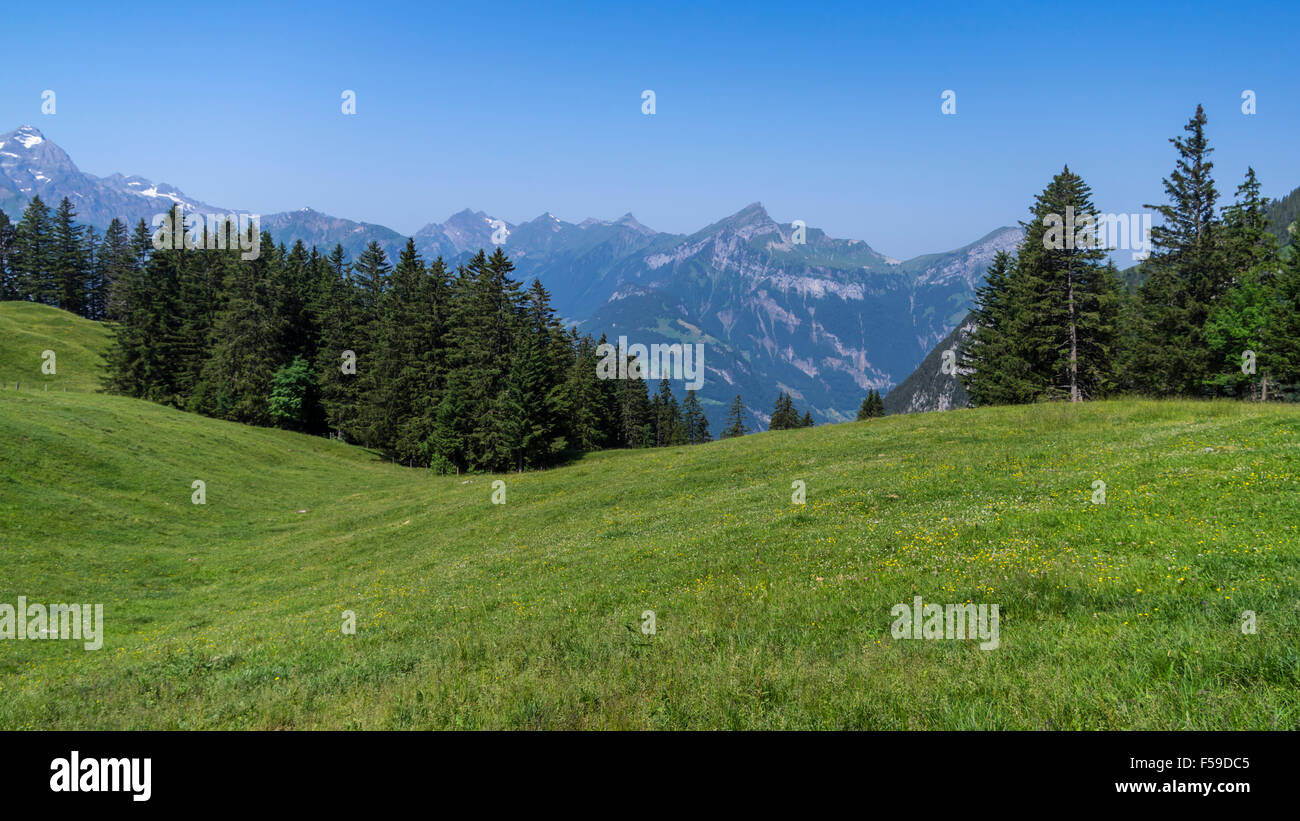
(934, 385)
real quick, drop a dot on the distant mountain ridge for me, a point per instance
(824, 319)
(932, 386)
(31, 165)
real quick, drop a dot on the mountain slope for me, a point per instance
(932, 387)
(767, 614)
(325, 232)
(28, 330)
(825, 321)
(31, 165)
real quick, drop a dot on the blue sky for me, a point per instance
(825, 112)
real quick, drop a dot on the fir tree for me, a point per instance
(1188, 274)
(1046, 325)
(735, 420)
(784, 416)
(68, 263)
(1282, 327)
(1237, 321)
(872, 406)
(33, 254)
(994, 366)
(694, 419)
(8, 275)
(248, 332)
(664, 410)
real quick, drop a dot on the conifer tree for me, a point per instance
(1236, 323)
(735, 420)
(694, 419)
(248, 333)
(115, 262)
(1068, 297)
(33, 254)
(669, 429)
(637, 420)
(141, 244)
(872, 406)
(68, 264)
(784, 415)
(994, 366)
(8, 276)
(1188, 274)
(402, 359)
(1046, 325)
(1282, 327)
(588, 418)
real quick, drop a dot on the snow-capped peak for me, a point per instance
(29, 136)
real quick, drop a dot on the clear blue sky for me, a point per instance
(825, 112)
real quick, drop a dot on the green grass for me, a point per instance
(769, 615)
(27, 330)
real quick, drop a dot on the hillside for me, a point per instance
(27, 330)
(930, 387)
(768, 614)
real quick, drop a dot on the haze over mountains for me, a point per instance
(826, 319)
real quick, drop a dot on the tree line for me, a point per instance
(455, 370)
(1217, 312)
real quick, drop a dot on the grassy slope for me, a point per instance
(27, 330)
(769, 615)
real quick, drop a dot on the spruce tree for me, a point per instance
(1235, 326)
(1188, 274)
(8, 276)
(872, 406)
(337, 312)
(784, 415)
(68, 264)
(1281, 359)
(1046, 326)
(33, 254)
(994, 366)
(664, 410)
(248, 334)
(694, 419)
(1067, 296)
(735, 420)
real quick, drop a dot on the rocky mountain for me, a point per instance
(822, 318)
(324, 231)
(825, 320)
(31, 165)
(932, 386)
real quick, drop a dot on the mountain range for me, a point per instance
(824, 319)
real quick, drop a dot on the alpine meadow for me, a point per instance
(988, 421)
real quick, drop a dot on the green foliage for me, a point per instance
(735, 420)
(873, 406)
(786, 417)
(292, 391)
(1047, 319)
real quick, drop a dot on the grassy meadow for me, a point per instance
(768, 614)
